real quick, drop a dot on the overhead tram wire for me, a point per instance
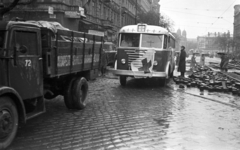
(221, 14)
(227, 21)
(200, 26)
(169, 8)
(194, 14)
(197, 22)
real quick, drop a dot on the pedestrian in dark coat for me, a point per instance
(224, 62)
(182, 61)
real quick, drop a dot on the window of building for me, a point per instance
(104, 12)
(93, 8)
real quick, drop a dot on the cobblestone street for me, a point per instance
(138, 116)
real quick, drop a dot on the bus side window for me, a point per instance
(165, 42)
(172, 42)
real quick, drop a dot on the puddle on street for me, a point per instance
(217, 96)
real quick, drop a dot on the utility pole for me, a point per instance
(120, 13)
(136, 12)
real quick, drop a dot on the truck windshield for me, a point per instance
(152, 40)
(129, 40)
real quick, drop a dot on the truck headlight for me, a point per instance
(155, 63)
(123, 61)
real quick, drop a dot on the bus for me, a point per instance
(144, 51)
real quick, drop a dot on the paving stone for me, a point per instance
(138, 116)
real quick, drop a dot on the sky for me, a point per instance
(198, 17)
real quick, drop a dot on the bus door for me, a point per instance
(171, 47)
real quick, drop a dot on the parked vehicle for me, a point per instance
(37, 62)
(145, 51)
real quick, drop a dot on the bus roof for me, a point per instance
(148, 29)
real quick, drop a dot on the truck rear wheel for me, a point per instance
(79, 93)
(123, 80)
(8, 121)
(68, 95)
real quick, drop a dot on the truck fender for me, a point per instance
(8, 91)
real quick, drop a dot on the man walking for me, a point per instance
(182, 61)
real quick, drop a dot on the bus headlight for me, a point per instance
(155, 63)
(123, 61)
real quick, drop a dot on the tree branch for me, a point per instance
(14, 4)
(10, 7)
(27, 3)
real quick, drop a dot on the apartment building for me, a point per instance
(103, 17)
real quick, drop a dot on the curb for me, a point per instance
(228, 104)
(231, 105)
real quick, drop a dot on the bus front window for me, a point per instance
(152, 40)
(129, 40)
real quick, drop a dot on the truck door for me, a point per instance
(26, 74)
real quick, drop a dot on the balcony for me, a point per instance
(107, 24)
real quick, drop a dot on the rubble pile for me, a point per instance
(235, 62)
(206, 79)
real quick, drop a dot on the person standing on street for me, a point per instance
(202, 60)
(224, 62)
(182, 62)
(193, 62)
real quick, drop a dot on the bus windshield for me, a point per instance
(152, 40)
(129, 40)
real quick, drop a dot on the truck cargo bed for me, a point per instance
(70, 52)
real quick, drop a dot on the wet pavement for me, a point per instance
(140, 116)
(226, 98)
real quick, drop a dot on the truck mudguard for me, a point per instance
(7, 91)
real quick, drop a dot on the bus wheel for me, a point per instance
(8, 121)
(162, 82)
(123, 80)
(79, 93)
(170, 73)
(68, 95)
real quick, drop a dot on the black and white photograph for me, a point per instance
(119, 74)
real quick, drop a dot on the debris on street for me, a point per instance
(205, 78)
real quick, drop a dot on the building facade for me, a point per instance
(236, 23)
(103, 17)
(214, 42)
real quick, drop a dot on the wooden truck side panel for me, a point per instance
(71, 52)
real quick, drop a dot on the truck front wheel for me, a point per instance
(79, 93)
(8, 121)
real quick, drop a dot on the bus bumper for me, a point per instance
(138, 74)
